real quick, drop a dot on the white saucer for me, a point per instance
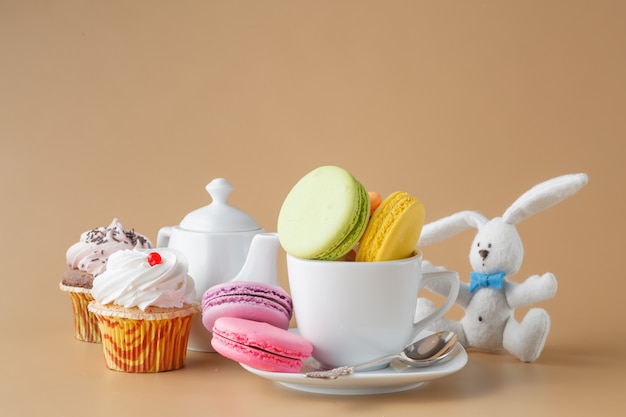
(396, 377)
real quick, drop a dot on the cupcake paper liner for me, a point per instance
(136, 341)
(86, 327)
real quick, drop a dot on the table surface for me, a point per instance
(51, 371)
(128, 109)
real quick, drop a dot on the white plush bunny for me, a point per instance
(490, 299)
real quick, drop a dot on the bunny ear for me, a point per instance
(544, 195)
(449, 226)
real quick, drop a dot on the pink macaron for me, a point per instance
(260, 345)
(256, 301)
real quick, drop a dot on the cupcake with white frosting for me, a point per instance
(86, 259)
(144, 303)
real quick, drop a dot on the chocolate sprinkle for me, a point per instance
(99, 236)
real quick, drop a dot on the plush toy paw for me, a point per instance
(424, 308)
(535, 289)
(427, 266)
(527, 339)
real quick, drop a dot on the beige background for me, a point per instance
(129, 108)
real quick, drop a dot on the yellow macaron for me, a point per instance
(393, 230)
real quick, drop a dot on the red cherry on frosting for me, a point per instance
(154, 258)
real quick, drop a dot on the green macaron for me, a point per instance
(324, 215)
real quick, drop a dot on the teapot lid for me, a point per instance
(219, 216)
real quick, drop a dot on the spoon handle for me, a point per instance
(347, 370)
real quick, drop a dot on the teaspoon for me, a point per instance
(423, 352)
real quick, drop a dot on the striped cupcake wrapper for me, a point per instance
(153, 343)
(86, 327)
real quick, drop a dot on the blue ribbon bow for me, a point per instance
(478, 279)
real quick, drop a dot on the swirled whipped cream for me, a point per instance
(91, 252)
(143, 278)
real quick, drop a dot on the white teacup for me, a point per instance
(352, 312)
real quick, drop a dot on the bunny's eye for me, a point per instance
(489, 246)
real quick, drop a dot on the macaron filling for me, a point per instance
(260, 345)
(241, 290)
